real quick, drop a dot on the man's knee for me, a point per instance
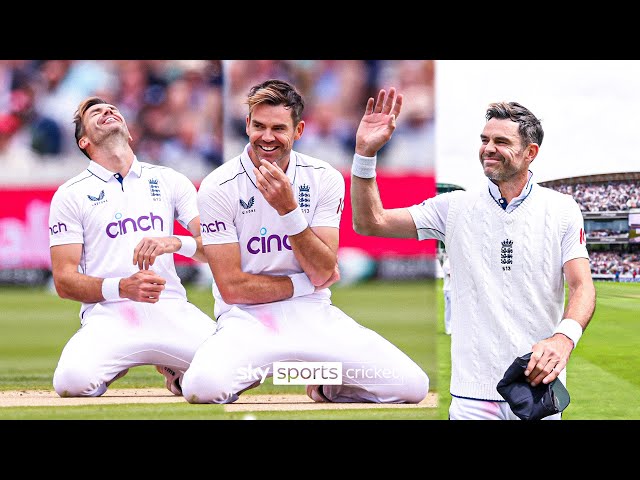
(77, 381)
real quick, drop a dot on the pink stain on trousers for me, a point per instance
(265, 317)
(129, 313)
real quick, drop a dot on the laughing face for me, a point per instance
(272, 133)
(104, 120)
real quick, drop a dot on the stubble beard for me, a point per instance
(501, 173)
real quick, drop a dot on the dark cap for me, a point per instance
(527, 402)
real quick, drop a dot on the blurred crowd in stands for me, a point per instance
(604, 197)
(616, 263)
(612, 196)
(177, 116)
(335, 93)
(173, 109)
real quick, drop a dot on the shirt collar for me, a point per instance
(104, 174)
(494, 190)
(248, 165)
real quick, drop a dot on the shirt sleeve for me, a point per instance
(217, 215)
(430, 216)
(331, 201)
(185, 199)
(65, 225)
(574, 240)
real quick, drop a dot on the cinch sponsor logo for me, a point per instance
(57, 228)
(267, 244)
(213, 227)
(124, 226)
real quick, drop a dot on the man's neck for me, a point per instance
(512, 188)
(117, 160)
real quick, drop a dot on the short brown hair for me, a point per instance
(529, 127)
(277, 92)
(77, 118)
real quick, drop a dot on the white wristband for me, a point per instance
(301, 284)
(111, 288)
(189, 245)
(571, 329)
(294, 222)
(363, 167)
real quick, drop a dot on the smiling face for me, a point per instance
(101, 122)
(503, 156)
(271, 134)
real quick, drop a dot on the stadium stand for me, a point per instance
(610, 204)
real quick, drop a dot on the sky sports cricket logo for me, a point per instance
(322, 373)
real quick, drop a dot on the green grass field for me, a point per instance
(602, 377)
(36, 324)
(602, 372)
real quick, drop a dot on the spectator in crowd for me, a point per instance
(17, 160)
(42, 133)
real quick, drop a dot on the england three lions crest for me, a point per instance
(506, 254)
(154, 189)
(304, 196)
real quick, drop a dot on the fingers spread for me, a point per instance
(380, 101)
(389, 101)
(398, 106)
(369, 109)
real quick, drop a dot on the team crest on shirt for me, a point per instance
(98, 199)
(154, 189)
(506, 254)
(246, 206)
(304, 196)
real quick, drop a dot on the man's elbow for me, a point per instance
(62, 289)
(231, 294)
(364, 228)
(321, 277)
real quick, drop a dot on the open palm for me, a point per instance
(378, 122)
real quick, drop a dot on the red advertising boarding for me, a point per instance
(24, 222)
(24, 227)
(396, 191)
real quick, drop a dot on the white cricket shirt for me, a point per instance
(232, 210)
(110, 216)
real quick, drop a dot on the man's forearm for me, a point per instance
(252, 289)
(315, 257)
(580, 305)
(79, 287)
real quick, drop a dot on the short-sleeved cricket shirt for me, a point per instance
(109, 215)
(232, 210)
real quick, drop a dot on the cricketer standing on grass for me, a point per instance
(112, 245)
(512, 244)
(270, 224)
